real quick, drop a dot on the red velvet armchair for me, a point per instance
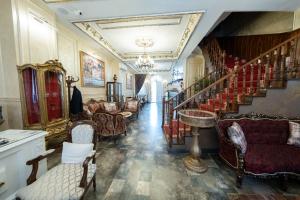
(267, 154)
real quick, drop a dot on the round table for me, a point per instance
(126, 114)
(197, 119)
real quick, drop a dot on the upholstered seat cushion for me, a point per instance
(110, 107)
(267, 158)
(132, 105)
(59, 183)
(262, 131)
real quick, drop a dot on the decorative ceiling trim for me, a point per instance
(138, 19)
(89, 28)
(134, 67)
(57, 1)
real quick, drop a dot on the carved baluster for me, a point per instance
(177, 120)
(228, 80)
(258, 77)
(171, 123)
(221, 96)
(244, 84)
(297, 58)
(283, 64)
(212, 98)
(267, 72)
(292, 62)
(223, 64)
(251, 79)
(235, 88)
(276, 66)
(163, 111)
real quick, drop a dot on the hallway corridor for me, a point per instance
(140, 167)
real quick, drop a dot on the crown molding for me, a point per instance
(89, 28)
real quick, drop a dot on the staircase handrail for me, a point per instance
(214, 40)
(186, 89)
(236, 70)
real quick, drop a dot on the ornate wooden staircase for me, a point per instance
(231, 83)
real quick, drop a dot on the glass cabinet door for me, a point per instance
(54, 95)
(29, 76)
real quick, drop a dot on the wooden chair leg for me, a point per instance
(94, 183)
(284, 182)
(239, 180)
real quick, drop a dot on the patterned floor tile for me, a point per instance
(139, 166)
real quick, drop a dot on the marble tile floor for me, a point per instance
(139, 167)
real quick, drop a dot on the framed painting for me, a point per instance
(92, 71)
(129, 81)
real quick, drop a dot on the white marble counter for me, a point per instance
(19, 137)
(23, 145)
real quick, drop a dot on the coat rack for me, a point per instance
(70, 80)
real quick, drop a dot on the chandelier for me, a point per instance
(144, 62)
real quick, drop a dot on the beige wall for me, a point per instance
(123, 73)
(33, 34)
(283, 102)
(9, 95)
(69, 45)
(297, 19)
(194, 68)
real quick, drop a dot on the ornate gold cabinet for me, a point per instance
(43, 98)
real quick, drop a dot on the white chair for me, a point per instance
(65, 181)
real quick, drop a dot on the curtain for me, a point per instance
(139, 82)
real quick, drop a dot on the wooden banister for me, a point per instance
(231, 74)
(220, 92)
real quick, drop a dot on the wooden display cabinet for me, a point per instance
(44, 98)
(114, 92)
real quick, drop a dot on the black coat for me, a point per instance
(76, 102)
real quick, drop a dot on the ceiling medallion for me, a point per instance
(144, 42)
(145, 62)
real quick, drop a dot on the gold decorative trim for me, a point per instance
(58, 1)
(90, 28)
(138, 19)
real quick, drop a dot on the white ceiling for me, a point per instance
(92, 10)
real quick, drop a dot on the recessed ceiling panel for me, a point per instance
(170, 33)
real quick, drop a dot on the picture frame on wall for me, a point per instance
(92, 71)
(129, 81)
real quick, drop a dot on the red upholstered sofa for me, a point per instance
(267, 154)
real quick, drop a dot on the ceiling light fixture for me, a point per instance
(145, 62)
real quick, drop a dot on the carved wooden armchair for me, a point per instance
(108, 125)
(66, 180)
(132, 106)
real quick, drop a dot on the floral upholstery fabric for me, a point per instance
(294, 138)
(83, 134)
(87, 110)
(132, 105)
(237, 136)
(59, 183)
(262, 158)
(105, 124)
(93, 107)
(120, 125)
(110, 107)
